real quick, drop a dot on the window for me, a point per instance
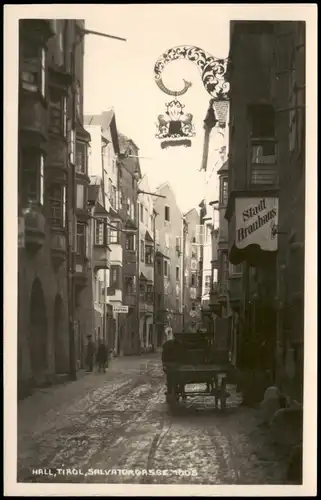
(262, 144)
(81, 239)
(128, 206)
(177, 273)
(33, 76)
(57, 202)
(199, 235)
(130, 285)
(141, 213)
(114, 233)
(57, 112)
(81, 157)
(71, 143)
(194, 252)
(193, 279)
(224, 191)
(209, 231)
(148, 254)
(100, 233)
(146, 217)
(178, 243)
(33, 176)
(225, 268)
(142, 250)
(80, 203)
(115, 277)
(166, 268)
(207, 284)
(167, 214)
(236, 269)
(130, 242)
(142, 292)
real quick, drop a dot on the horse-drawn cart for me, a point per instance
(195, 359)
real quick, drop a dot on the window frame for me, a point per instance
(130, 238)
(58, 206)
(36, 66)
(167, 213)
(81, 240)
(78, 197)
(142, 250)
(149, 255)
(81, 157)
(114, 234)
(33, 165)
(100, 238)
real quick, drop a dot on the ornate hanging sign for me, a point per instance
(175, 127)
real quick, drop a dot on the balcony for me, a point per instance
(81, 276)
(263, 162)
(34, 229)
(130, 300)
(58, 246)
(101, 257)
(264, 175)
(33, 119)
(56, 157)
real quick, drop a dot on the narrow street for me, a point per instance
(110, 428)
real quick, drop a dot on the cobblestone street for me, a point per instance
(119, 420)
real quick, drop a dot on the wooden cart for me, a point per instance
(196, 360)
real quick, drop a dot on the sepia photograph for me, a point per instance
(159, 190)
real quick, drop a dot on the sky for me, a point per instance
(120, 75)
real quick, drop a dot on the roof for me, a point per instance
(142, 277)
(124, 141)
(107, 120)
(224, 168)
(99, 209)
(148, 237)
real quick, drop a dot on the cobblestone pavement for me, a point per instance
(112, 427)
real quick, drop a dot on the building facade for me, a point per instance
(265, 209)
(169, 228)
(52, 161)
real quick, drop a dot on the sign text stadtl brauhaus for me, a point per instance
(255, 222)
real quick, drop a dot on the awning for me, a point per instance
(253, 229)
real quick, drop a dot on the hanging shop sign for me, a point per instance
(256, 222)
(175, 127)
(120, 309)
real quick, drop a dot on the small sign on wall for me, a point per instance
(256, 220)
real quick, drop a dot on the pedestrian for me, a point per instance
(90, 353)
(102, 356)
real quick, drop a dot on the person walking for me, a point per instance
(90, 354)
(102, 356)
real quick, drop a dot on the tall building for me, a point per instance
(169, 228)
(130, 175)
(146, 264)
(193, 240)
(52, 168)
(265, 210)
(104, 165)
